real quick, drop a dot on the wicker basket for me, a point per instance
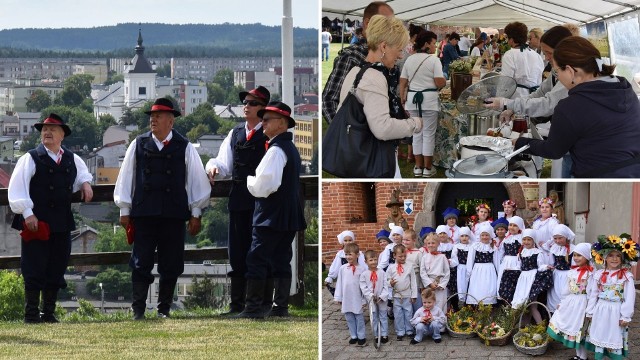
(537, 350)
(504, 339)
(455, 334)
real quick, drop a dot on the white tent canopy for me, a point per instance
(490, 13)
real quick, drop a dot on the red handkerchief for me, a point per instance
(130, 233)
(42, 233)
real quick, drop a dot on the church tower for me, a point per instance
(139, 78)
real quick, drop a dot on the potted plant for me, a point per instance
(461, 77)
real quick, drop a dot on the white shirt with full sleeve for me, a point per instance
(434, 268)
(436, 314)
(406, 286)
(268, 173)
(196, 181)
(541, 102)
(224, 161)
(383, 259)
(381, 288)
(337, 263)
(18, 194)
(525, 67)
(348, 289)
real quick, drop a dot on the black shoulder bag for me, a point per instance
(349, 148)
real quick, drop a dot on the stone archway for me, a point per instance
(432, 190)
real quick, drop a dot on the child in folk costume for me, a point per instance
(423, 234)
(509, 269)
(344, 238)
(435, 271)
(383, 241)
(349, 295)
(375, 288)
(482, 268)
(429, 319)
(446, 247)
(414, 256)
(501, 228)
(387, 257)
(566, 324)
(482, 212)
(562, 250)
(460, 254)
(543, 225)
(612, 302)
(451, 221)
(535, 276)
(403, 283)
(509, 206)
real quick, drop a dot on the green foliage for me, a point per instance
(226, 125)
(113, 78)
(224, 78)
(11, 296)
(68, 292)
(197, 131)
(232, 95)
(76, 89)
(115, 283)
(216, 94)
(86, 310)
(202, 294)
(204, 243)
(30, 141)
(108, 241)
(38, 100)
(164, 71)
(104, 121)
(215, 224)
(313, 167)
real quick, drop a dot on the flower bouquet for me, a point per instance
(461, 324)
(461, 66)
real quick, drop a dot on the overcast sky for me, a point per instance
(90, 13)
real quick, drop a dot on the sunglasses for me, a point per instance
(252, 103)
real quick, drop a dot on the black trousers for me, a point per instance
(270, 249)
(240, 228)
(167, 236)
(43, 263)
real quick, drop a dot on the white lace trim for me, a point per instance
(529, 252)
(560, 250)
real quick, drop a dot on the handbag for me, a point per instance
(349, 148)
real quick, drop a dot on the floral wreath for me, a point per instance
(545, 201)
(509, 202)
(483, 206)
(624, 244)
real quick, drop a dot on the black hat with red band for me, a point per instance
(54, 119)
(260, 93)
(280, 108)
(163, 104)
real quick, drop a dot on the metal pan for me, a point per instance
(472, 99)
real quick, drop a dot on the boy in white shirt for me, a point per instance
(405, 291)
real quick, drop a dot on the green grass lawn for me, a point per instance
(190, 338)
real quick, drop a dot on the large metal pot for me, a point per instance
(484, 166)
(482, 144)
(479, 124)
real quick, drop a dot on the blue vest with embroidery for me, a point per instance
(160, 179)
(282, 210)
(50, 190)
(246, 157)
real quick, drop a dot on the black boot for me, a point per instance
(253, 303)
(267, 298)
(165, 297)
(281, 298)
(49, 298)
(139, 304)
(238, 293)
(31, 307)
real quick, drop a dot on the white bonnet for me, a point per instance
(342, 235)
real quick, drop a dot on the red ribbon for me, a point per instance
(266, 145)
(374, 279)
(583, 269)
(253, 131)
(412, 250)
(622, 273)
(52, 121)
(161, 108)
(353, 268)
(435, 253)
(400, 269)
(452, 232)
(427, 313)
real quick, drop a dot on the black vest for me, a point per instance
(50, 190)
(160, 178)
(246, 157)
(282, 210)
(529, 262)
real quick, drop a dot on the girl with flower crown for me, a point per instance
(566, 324)
(561, 248)
(612, 300)
(483, 212)
(543, 225)
(509, 206)
(482, 268)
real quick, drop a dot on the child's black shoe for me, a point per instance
(413, 342)
(352, 341)
(400, 337)
(384, 339)
(437, 341)
(361, 342)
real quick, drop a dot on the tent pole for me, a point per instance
(342, 40)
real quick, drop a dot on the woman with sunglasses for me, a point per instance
(598, 123)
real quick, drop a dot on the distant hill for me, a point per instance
(185, 40)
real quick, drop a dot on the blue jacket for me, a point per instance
(599, 125)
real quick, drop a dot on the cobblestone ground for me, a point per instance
(335, 337)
